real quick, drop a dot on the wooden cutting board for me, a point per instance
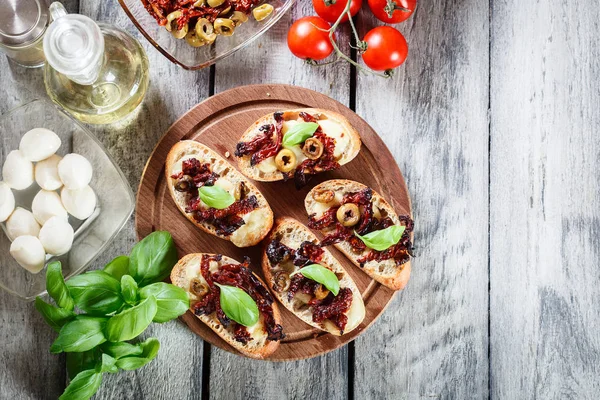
(219, 122)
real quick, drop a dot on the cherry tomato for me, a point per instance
(386, 48)
(392, 11)
(308, 39)
(332, 12)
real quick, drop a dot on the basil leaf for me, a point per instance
(84, 386)
(129, 289)
(324, 276)
(384, 238)
(238, 305)
(299, 132)
(81, 334)
(55, 285)
(150, 351)
(171, 301)
(107, 364)
(132, 322)
(77, 362)
(55, 317)
(216, 197)
(121, 349)
(96, 292)
(117, 267)
(153, 258)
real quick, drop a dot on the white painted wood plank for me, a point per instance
(177, 371)
(432, 341)
(545, 210)
(231, 376)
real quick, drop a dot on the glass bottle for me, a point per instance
(96, 72)
(22, 27)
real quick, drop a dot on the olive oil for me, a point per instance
(96, 72)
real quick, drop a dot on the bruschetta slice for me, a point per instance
(200, 274)
(344, 211)
(190, 166)
(290, 248)
(296, 144)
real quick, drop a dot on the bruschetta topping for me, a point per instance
(195, 175)
(323, 303)
(356, 213)
(315, 154)
(240, 276)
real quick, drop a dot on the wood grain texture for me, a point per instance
(432, 342)
(545, 210)
(325, 377)
(219, 123)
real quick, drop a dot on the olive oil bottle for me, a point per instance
(96, 72)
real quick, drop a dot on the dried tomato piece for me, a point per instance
(307, 117)
(241, 334)
(227, 220)
(327, 219)
(278, 252)
(260, 141)
(324, 163)
(333, 305)
(308, 253)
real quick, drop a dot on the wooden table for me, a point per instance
(495, 122)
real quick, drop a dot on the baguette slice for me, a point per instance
(187, 269)
(385, 272)
(292, 233)
(258, 222)
(333, 124)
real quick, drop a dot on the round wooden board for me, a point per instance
(219, 122)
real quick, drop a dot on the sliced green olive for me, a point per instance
(205, 31)
(199, 3)
(215, 3)
(224, 26)
(238, 17)
(225, 11)
(313, 148)
(348, 214)
(285, 160)
(262, 12)
(195, 41)
(171, 20)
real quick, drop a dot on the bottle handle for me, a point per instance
(57, 10)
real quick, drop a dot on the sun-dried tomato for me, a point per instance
(307, 117)
(278, 252)
(327, 219)
(241, 334)
(160, 9)
(237, 275)
(308, 253)
(260, 141)
(326, 162)
(334, 306)
(227, 220)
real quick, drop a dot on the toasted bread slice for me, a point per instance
(292, 233)
(258, 222)
(187, 269)
(333, 124)
(385, 272)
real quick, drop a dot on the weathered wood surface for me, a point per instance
(432, 341)
(545, 209)
(539, 196)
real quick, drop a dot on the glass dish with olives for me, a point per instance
(186, 31)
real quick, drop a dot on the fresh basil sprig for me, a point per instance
(322, 275)
(216, 197)
(120, 302)
(299, 132)
(238, 305)
(384, 238)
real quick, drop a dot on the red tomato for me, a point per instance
(386, 48)
(308, 39)
(392, 11)
(332, 12)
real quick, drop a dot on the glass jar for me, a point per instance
(22, 27)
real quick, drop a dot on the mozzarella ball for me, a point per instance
(7, 201)
(75, 171)
(29, 253)
(46, 173)
(39, 144)
(57, 236)
(17, 171)
(22, 223)
(46, 205)
(79, 203)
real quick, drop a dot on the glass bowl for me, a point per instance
(114, 206)
(179, 52)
